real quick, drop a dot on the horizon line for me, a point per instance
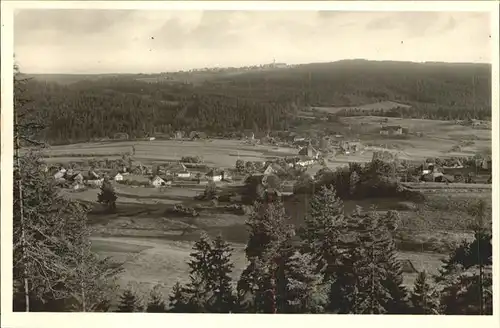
(186, 70)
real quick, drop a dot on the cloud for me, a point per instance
(144, 41)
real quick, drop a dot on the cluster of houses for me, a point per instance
(78, 180)
(454, 171)
(163, 176)
(165, 179)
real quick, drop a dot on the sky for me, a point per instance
(141, 41)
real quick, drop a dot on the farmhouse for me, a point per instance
(179, 170)
(214, 175)
(391, 130)
(432, 173)
(348, 147)
(157, 182)
(309, 151)
(95, 183)
(117, 176)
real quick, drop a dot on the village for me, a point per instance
(286, 170)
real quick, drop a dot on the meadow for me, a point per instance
(221, 153)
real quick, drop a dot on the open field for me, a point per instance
(383, 105)
(218, 152)
(437, 140)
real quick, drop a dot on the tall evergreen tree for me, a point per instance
(397, 302)
(322, 229)
(223, 300)
(129, 302)
(424, 299)
(209, 288)
(178, 300)
(156, 304)
(362, 283)
(298, 288)
(278, 278)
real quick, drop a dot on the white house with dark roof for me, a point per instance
(117, 176)
(214, 175)
(158, 181)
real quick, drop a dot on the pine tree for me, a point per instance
(397, 302)
(107, 196)
(254, 289)
(322, 229)
(298, 286)
(269, 230)
(129, 302)
(178, 300)
(359, 286)
(156, 304)
(278, 278)
(424, 299)
(220, 280)
(210, 287)
(269, 227)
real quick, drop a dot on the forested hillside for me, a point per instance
(97, 107)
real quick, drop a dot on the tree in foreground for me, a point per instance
(107, 196)
(129, 302)
(54, 266)
(278, 278)
(156, 304)
(466, 276)
(298, 286)
(322, 229)
(424, 299)
(178, 300)
(210, 288)
(363, 283)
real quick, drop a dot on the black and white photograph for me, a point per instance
(251, 161)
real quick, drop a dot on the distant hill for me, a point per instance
(84, 107)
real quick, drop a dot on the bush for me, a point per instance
(182, 210)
